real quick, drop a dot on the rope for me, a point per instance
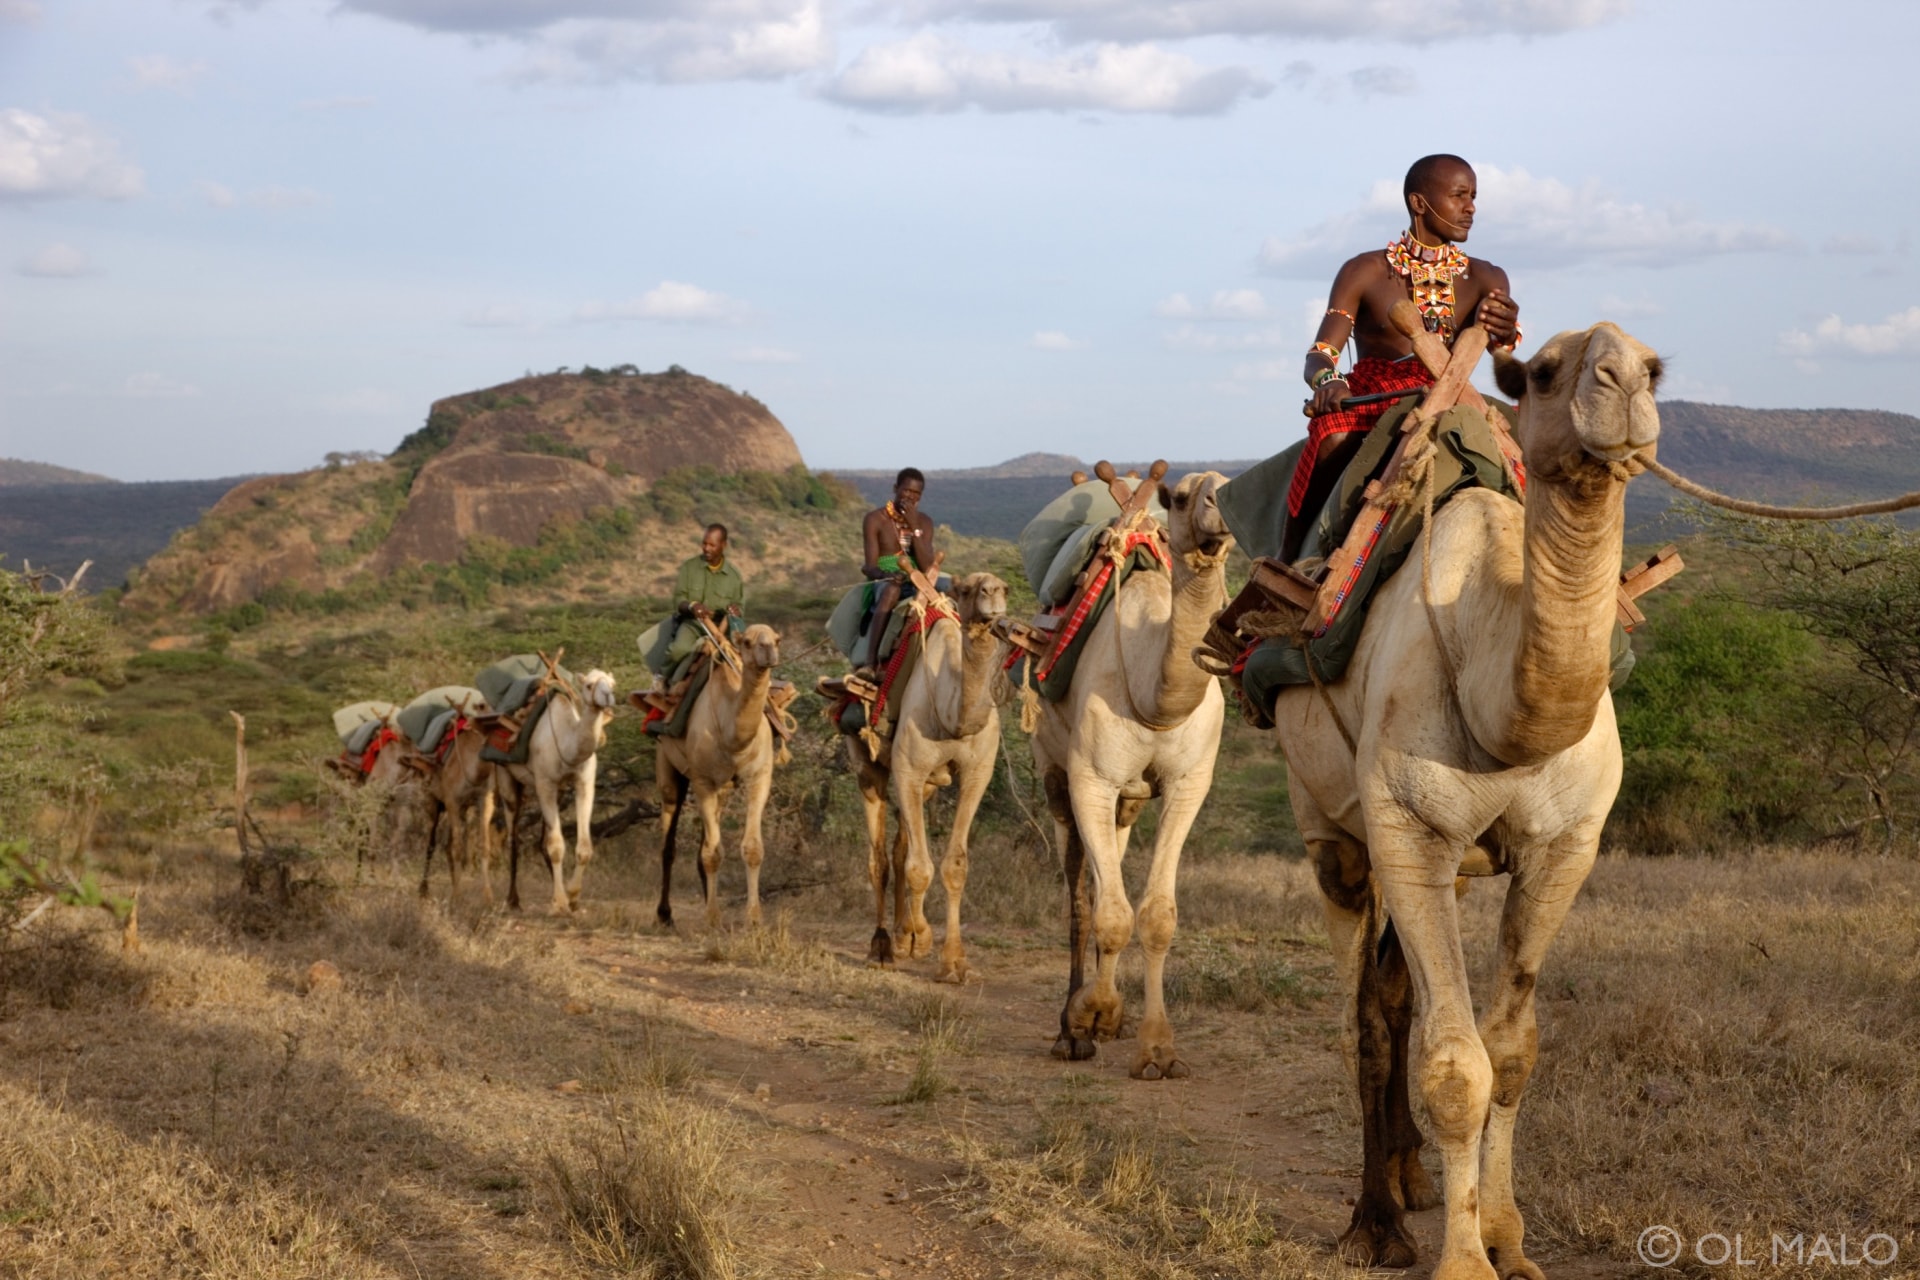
(1905, 502)
(804, 653)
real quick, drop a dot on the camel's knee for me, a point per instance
(1157, 920)
(1457, 1082)
(1112, 925)
(1059, 796)
(953, 869)
(1341, 869)
(752, 854)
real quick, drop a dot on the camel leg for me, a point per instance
(433, 836)
(583, 781)
(1094, 1012)
(456, 849)
(547, 792)
(753, 849)
(1538, 898)
(1415, 871)
(488, 802)
(516, 800)
(953, 869)
(897, 860)
(1155, 1058)
(707, 800)
(673, 799)
(1073, 862)
(873, 797)
(909, 796)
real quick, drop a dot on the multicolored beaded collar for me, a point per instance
(1430, 271)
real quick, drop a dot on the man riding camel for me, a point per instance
(1451, 290)
(896, 536)
(707, 587)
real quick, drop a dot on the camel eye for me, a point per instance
(1655, 370)
(1542, 374)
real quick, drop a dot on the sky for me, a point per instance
(236, 235)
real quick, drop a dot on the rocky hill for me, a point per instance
(522, 478)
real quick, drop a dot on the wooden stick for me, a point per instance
(240, 779)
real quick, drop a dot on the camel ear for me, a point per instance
(1166, 497)
(1510, 374)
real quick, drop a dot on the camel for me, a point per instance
(572, 730)
(456, 787)
(1140, 720)
(1482, 742)
(728, 743)
(947, 727)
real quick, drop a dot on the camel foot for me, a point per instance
(1377, 1240)
(918, 942)
(1511, 1264)
(753, 916)
(561, 907)
(1160, 1066)
(1073, 1049)
(952, 971)
(663, 916)
(1417, 1191)
(880, 950)
(1470, 1267)
(1094, 1017)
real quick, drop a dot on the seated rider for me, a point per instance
(897, 536)
(707, 587)
(1452, 292)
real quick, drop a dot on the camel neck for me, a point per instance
(1167, 690)
(748, 690)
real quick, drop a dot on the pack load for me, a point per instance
(869, 708)
(666, 712)
(364, 728)
(518, 689)
(432, 720)
(1300, 623)
(1076, 554)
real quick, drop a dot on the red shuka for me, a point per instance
(1370, 376)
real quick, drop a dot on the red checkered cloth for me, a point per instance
(913, 628)
(372, 753)
(1091, 596)
(1370, 376)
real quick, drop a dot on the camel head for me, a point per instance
(982, 599)
(1586, 402)
(760, 647)
(1194, 524)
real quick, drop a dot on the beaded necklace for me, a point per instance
(903, 527)
(1430, 271)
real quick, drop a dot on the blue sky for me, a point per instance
(236, 235)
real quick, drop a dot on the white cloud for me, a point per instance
(44, 157)
(767, 355)
(1403, 21)
(1226, 304)
(1897, 336)
(1384, 82)
(1054, 340)
(933, 73)
(496, 315)
(158, 71)
(772, 40)
(57, 261)
(1539, 223)
(157, 386)
(671, 300)
(274, 199)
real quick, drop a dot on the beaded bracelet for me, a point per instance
(1323, 377)
(1518, 338)
(1328, 350)
(1344, 315)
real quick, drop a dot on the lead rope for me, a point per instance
(1905, 502)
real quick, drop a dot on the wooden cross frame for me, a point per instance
(718, 639)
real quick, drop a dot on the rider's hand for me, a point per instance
(700, 611)
(1330, 396)
(1499, 315)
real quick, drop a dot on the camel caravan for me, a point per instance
(1434, 657)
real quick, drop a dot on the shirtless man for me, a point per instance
(895, 535)
(1452, 292)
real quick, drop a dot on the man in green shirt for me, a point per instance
(706, 587)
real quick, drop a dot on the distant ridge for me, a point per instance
(18, 471)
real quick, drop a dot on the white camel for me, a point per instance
(571, 730)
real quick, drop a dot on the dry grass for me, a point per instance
(1727, 1045)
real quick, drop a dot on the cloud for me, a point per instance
(933, 73)
(46, 157)
(1054, 340)
(767, 355)
(57, 261)
(274, 199)
(670, 300)
(782, 40)
(1401, 21)
(1897, 337)
(1540, 223)
(1226, 304)
(496, 315)
(158, 71)
(157, 386)
(1384, 82)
